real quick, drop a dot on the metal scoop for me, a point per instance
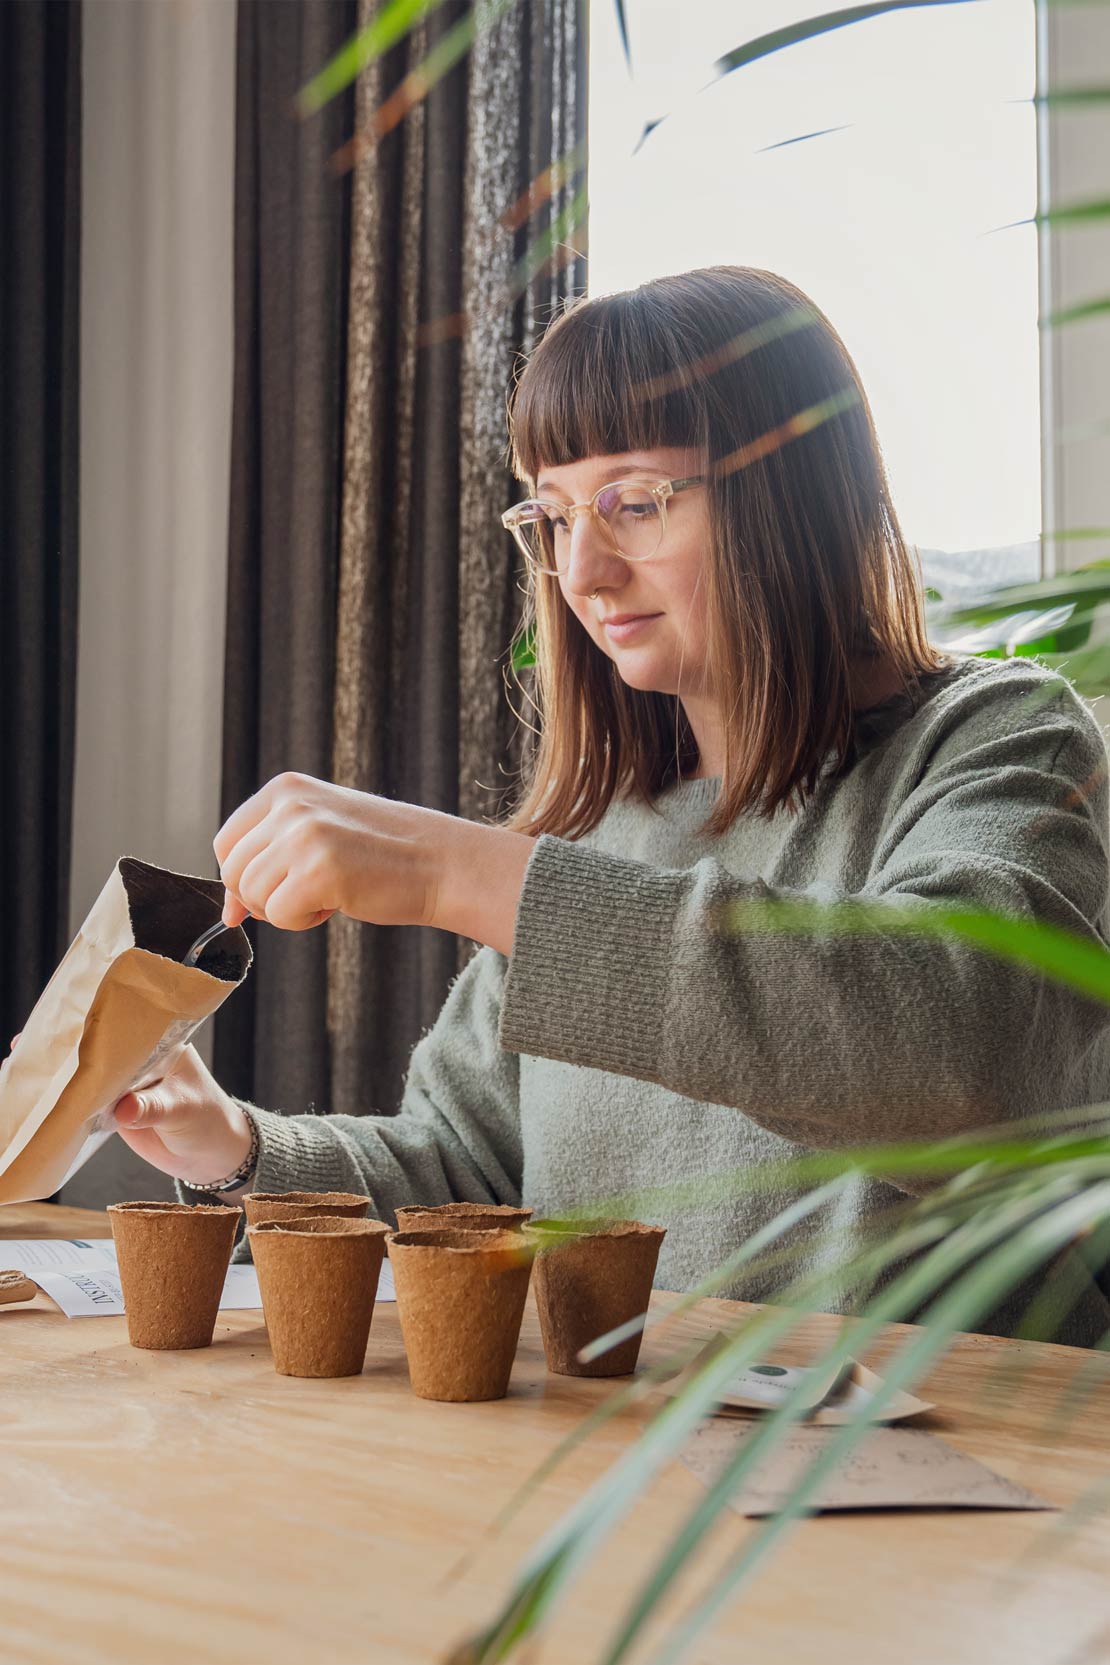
(203, 940)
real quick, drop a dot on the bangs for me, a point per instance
(602, 382)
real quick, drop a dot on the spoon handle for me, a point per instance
(202, 942)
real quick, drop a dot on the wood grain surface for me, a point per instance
(52, 1220)
(164, 1507)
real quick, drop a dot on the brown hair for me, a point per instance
(807, 569)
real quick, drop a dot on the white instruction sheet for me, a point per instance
(50, 1254)
(81, 1276)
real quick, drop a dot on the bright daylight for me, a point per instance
(877, 166)
(555, 959)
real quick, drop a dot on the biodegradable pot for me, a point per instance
(462, 1216)
(172, 1259)
(460, 1299)
(595, 1275)
(292, 1205)
(318, 1275)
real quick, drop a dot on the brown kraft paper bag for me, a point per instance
(114, 1016)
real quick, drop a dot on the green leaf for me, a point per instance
(1092, 210)
(391, 24)
(750, 1250)
(762, 46)
(809, 28)
(552, 1563)
(1076, 314)
(1085, 589)
(456, 43)
(761, 1440)
(800, 138)
(522, 655)
(1089, 668)
(1069, 97)
(1014, 634)
(622, 30)
(542, 249)
(1064, 621)
(1064, 956)
(621, 1397)
(939, 1158)
(980, 1287)
(575, 1538)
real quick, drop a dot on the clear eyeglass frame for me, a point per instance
(515, 519)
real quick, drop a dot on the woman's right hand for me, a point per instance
(185, 1124)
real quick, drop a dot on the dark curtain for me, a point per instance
(40, 189)
(373, 593)
(292, 249)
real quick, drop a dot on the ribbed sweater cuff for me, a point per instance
(592, 951)
(295, 1154)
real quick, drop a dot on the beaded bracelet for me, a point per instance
(243, 1172)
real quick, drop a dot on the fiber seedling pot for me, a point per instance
(318, 1275)
(460, 1299)
(172, 1259)
(462, 1216)
(291, 1205)
(591, 1276)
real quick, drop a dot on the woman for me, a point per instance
(737, 701)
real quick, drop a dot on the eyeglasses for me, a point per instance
(633, 516)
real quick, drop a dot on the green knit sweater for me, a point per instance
(632, 1042)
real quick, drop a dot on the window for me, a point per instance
(881, 167)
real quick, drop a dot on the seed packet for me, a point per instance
(827, 1396)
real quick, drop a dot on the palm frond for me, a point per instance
(985, 1282)
(441, 57)
(762, 46)
(576, 1537)
(1086, 587)
(987, 1254)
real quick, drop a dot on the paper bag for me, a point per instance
(113, 1017)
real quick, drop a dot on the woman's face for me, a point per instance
(647, 616)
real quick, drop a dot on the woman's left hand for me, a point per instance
(302, 849)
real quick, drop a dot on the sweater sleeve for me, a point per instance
(456, 1136)
(827, 1038)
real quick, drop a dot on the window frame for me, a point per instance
(1074, 266)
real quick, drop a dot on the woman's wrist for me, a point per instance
(243, 1173)
(481, 878)
(229, 1164)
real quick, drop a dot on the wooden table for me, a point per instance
(164, 1507)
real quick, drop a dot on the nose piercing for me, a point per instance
(593, 595)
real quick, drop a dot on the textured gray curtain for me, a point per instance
(40, 188)
(396, 556)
